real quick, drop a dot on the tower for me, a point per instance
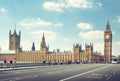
(107, 44)
(14, 40)
(43, 44)
(43, 47)
(88, 52)
(76, 50)
(33, 47)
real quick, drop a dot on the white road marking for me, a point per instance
(98, 76)
(58, 70)
(35, 75)
(51, 68)
(17, 78)
(113, 72)
(94, 76)
(109, 77)
(82, 74)
(54, 71)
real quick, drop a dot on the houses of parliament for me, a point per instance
(43, 54)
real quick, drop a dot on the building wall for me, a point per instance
(38, 57)
(43, 54)
(7, 56)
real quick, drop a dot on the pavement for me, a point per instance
(72, 72)
(20, 68)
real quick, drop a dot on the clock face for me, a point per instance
(107, 36)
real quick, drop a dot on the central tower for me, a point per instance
(107, 44)
(43, 47)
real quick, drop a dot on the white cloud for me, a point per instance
(26, 44)
(118, 19)
(4, 44)
(91, 34)
(52, 38)
(99, 47)
(58, 25)
(117, 43)
(115, 48)
(60, 5)
(2, 10)
(33, 22)
(49, 35)
(99, 4)
(79, 4)
(84, 26)
(54, 6)
(66, 39)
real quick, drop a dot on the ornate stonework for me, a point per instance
(108, 44)
(78, 55)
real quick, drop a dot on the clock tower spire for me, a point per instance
(108, 26)
(108, 44)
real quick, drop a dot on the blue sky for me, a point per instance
(64, 22)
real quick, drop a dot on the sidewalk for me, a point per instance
(19, 68)
(28, 67)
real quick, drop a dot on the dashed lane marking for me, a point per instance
(108, 77)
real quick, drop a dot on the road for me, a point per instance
(73, 72)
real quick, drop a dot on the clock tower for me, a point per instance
(107, 44)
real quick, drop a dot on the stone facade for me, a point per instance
(108, 44)
(43, 54)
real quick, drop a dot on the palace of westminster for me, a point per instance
(87, 55)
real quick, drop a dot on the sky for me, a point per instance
(64, 22)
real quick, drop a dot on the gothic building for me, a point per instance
(43, 54)
(108, 44)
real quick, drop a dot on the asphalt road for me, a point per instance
(73, 72)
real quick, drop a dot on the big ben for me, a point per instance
(108, 44)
